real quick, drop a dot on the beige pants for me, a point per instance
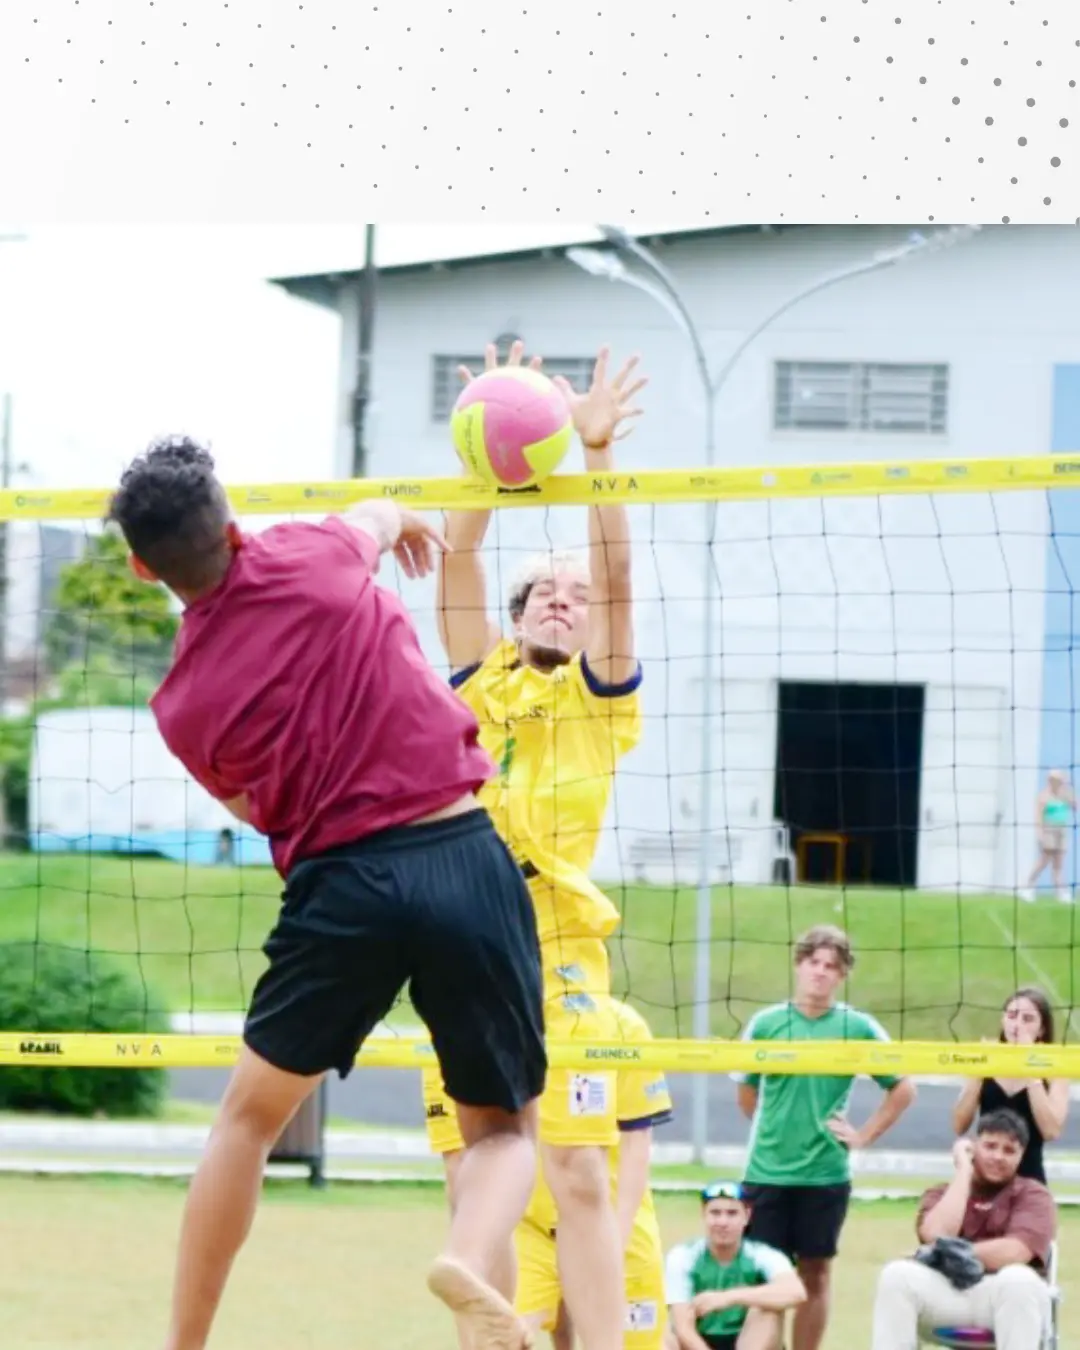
(1014, 1304)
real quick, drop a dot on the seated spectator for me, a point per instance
(986, 1241)
(1043, 1106)
(725, 1291)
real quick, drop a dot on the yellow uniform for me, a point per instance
(557, 737)
(643, 1101)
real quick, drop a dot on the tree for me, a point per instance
(106, 619)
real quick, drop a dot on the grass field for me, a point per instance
(930, 966)
(87, 1266)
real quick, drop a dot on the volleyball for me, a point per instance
(511, 427)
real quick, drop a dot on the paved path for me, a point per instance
(390, 1099)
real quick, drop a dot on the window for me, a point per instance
(445, 385)
(858, 396)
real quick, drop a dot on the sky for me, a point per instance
(111, 335)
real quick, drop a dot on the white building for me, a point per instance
(940, 626)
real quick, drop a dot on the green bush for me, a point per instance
(56, 989)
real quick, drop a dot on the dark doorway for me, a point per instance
(848, 760)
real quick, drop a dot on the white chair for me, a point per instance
(979, 1338)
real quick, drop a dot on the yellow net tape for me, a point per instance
(649, 487)
(872, 1058)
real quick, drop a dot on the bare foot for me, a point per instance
(488, 1319)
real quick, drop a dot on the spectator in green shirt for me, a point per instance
(798, 1167)
(725, 1291)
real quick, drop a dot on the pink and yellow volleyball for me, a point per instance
(511, 427)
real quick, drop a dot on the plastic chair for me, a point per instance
(981, 1338)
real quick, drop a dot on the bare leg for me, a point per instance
(1039, 867)
(588, 1243)
(494, 1178)
(562, 1335)
(761, 1331)
(258, 1103)
(504, 1275)
(811, 1317)
(1057, 867)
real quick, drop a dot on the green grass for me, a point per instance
(88, 1264)
(930, 966)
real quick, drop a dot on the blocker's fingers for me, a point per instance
(600, 369)
(491, 356)
(625, 373)
(625, 395)
(563, 385)
(465, 375)
(517, 351)
(535, 362)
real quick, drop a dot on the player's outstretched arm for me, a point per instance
(466, 630)
(598, 415)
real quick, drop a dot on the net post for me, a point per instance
(303, 1140)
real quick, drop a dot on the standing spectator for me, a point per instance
(990, 1230)
(798, 1169)
(1043, 1106)
(726, 1291)
(1054, 810)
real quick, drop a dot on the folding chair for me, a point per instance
(979, 1338)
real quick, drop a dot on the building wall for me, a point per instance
(943, 590)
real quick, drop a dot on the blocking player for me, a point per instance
(299, 697)
(642, 1103)
(558, 708)
(798, 1167)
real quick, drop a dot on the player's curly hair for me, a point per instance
(173, 512)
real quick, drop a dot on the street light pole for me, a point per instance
(611, 267)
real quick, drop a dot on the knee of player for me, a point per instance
(895, 1275)
(766, 1327)
(815, 1274)
(1020, 1282)
(578, 1176)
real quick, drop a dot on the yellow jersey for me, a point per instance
(557, 737)
(642, 1101)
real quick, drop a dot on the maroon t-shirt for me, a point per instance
(1024, 1209)
(301, 683)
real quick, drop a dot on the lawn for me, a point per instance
(930, 966)
(88, 1263)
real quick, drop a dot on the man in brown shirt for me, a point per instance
(1010, 1221)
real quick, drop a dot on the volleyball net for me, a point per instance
(856, 679)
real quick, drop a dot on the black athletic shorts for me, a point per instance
(442, 907)
(800, 1221)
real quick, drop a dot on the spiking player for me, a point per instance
(299, 697)
(558, 708)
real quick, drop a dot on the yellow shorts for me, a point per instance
(539, 1291)
(576, 1109)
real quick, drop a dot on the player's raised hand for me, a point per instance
(607, 404)
(491, 361)
(418, 545)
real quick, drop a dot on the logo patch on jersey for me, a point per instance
(579, 1003)
(656, 1088)
(642, 1316)
(588, 1095)
(571, 974)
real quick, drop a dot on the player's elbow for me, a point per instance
(904, 1094)
(792, 1291)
